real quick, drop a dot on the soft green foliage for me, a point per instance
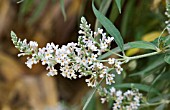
(142, 45)
(111, 29)
(139, 86)
(63, 9)
(118, 3)
(167, 58)
(103, 9)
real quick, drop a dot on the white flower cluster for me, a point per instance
(81, 59)
(167, 13)
(129, 100)
(75, 59)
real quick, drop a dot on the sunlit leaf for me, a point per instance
(133, 51)
(152, 36)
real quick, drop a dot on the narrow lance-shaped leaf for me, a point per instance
(142, 45)
(63, 9)
(138, 86)
(92, 94)
(111, 29)
(127, 14)
(137, 44)
(103, 9)
(167, 58)
(151, 66)
(118, 3)
(38, 11)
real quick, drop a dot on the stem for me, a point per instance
(157, 103)
(142, 56)
(92, 94)
(161, 35)
(102, 60)
(114, 53)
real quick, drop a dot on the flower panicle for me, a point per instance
(76, 60)
(128, 100)
(78, 57)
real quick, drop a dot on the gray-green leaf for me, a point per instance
(118, 3)
(138, 86)
(63, 9)
(111, 29)
(167, 58)
(142, 45)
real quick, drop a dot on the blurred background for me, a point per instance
(46, 21)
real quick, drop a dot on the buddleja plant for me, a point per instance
(86, 58)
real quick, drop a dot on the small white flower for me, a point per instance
(100, 31)
(52, 72)
(110, 78)
(92, 82)
(112, 90)
(109, 40)
(111, 61)
(48, 55)
(33, 44)
(103, 100)
(119, 70)
(99, 65)
(30, 62)
(84, 62)
(119, 93)
(103, 46)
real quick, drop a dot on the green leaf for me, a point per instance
(92, 94)
(114, 12)
(111, 29)
(103, 9)
(63, 9)
(160, 107)
(25, 7)
(165, 76)
(138, 86)
(127, 15)
(164, 41)
(142, 45)
(116, 50)
(129, 46)
(158, 98)
(167, 58)
(38, 11)
(118, 3)
(89, 99)
(151, 66)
